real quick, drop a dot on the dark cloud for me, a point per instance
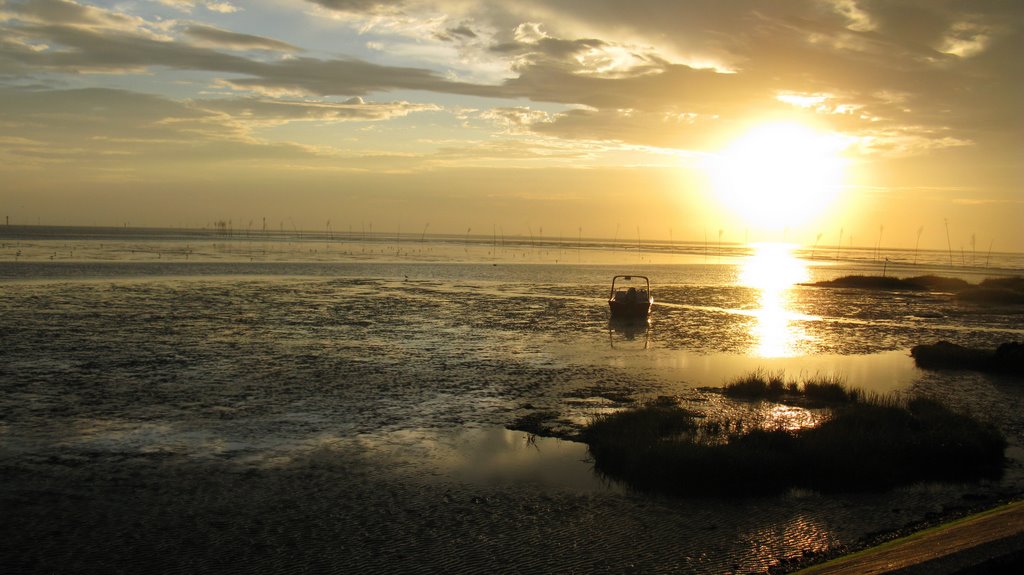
(73, 48)
(227, 39)
(549, 49)
(360, 6)
(353, 109)
(685, 131)
(68, 13)
(82, 48)
(461, 32)
(351, 78)
(673, 87)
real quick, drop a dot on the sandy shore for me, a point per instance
(984, 543)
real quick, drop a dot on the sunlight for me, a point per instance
(778, 175)
(773, 270)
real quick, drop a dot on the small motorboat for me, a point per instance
(630, 302)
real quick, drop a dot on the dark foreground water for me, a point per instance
(174, 405)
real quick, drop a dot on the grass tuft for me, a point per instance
(831, 389)
(762, 384)
(758, 384)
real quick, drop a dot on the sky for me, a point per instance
(862, 122)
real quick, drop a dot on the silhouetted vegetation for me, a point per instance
(873, 282)
(761, 384)
(1007, 358)
(1015, 283)
(991, 295)
(940, 283)
(832, 390)
(996, 291)
(860, 446)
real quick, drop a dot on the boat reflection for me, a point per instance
(774, 270)
(629, 333)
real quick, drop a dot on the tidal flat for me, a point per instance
(241, 415)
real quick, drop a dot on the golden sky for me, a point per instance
(811, 120)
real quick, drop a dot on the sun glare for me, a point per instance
(778, 175)
(773, 270)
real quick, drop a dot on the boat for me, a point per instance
(633, 302)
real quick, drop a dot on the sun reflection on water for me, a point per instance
(774, 270)
(792, 539)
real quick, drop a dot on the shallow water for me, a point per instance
(413, 368)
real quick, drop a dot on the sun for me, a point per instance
(778, 175)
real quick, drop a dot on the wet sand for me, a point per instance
(289, 423)
(341, 512)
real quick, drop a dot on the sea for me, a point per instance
(423, 354)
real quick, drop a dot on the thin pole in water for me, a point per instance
(919, 231)
(949, 244)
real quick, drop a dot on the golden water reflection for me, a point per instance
(774, 270)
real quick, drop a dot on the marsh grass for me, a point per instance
(1015, 283)
(994, 291)
(831, 389)
(759, 384)
(762, 384)
(873, 282)
(869, 446)
(1007, 358)
(991, 295)
(940, 283)
(864, 443)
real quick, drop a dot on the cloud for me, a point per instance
(102, 128)
(351, 78)
(127, 46)
(457, 33)
(211, 36)
(72, 118)
(684, 131)
(266, 112)
(627, 69)
(222, 7)
(361, 6)
(516, 120)
(73, 14)
(188, 5)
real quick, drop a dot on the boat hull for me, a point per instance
(630, 309)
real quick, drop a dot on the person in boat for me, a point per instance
(631, 295)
